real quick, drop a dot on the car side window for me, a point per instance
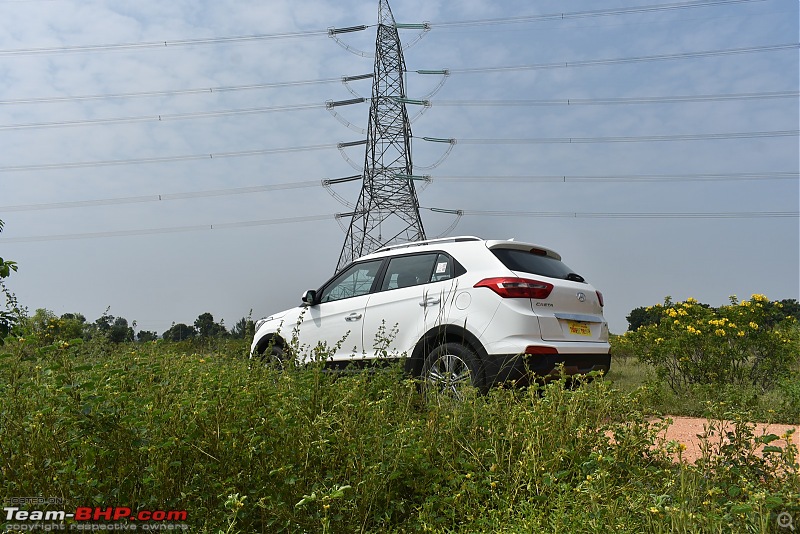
(353, 282)
(407, 271)
(443, 269)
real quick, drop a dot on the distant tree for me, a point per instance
(116, 329)
(179, 332)
(72, 326)
(642, 316)
(244, 328)
(777, 311)
(645, 316)
(145, 336)
(207, 328)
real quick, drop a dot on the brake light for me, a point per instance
(600, 298)
(517, 288)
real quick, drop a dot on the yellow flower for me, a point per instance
(719, 332)
(740, 334)
(759, 297)
(691, 300)
(753, 325)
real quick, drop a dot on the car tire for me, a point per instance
(450, 368)
(273, 357)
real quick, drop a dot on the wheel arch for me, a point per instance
(438, 335)
(266, 340)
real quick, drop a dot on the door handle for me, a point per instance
(430, 301)
(353, 317)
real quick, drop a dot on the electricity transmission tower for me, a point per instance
(387, 210)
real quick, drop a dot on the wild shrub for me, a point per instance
(738, 344)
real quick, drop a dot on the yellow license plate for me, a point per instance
(579, 329)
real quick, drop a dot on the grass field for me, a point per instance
(160, 426)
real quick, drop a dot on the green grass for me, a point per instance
(779, 405)
(161, 426)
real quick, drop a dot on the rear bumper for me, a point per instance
(525, 368)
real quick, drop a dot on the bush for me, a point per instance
(739, 344)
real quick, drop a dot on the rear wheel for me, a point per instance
(450, 368)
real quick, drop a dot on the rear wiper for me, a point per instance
(575, 277)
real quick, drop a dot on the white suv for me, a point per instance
(461, 310)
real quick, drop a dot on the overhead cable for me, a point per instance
(754, 176)
(459, 213)
(594, 13)
(426, 103)
(474, 70)
(341, 146)
(635, 59)
(332, 31)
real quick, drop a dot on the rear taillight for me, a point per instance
(600, 298)
(517, 288)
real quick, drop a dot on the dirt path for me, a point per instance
(685, 430)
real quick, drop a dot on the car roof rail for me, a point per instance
(456, 239)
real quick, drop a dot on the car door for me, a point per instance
(335, 321)
(395, 315)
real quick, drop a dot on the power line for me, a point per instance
(625, 178)
(621, 100)
(268, 151)
(629, 139)
(317, 33)
(488, 103)
(593, 13)
(164, 159)
(642, 215)
(644, 178)
(165, 230)
(161, 197)
(176, 92)
(162, 118)
(160, 44)
(634, 59)
(474, 70)
(481, 213)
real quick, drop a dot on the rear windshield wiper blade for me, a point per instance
(575, 277)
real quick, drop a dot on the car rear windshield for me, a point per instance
(535, 262)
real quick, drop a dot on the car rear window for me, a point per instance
(534, 263)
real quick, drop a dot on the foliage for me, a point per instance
(207, 328)
(744, 343)
(299, 450)
(179, 332)
(10, 312)
(146, 335)
(244, 328)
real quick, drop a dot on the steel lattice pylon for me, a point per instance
(387, 210)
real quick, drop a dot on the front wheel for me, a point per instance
(273, 356)
(450, 368)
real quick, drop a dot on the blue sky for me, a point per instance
(682, 180)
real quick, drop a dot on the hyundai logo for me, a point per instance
(581, 296)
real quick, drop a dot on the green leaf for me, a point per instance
(767, 438)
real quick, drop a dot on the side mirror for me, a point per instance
(309, 297)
